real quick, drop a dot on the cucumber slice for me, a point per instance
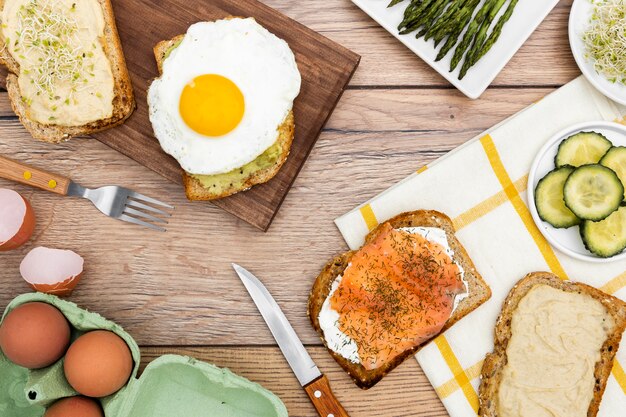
(615, 159)
(549, 199)
(606, 238)
(581, 149)
(593, 192)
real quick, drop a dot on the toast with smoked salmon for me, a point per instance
(591, 317)
(410, 281)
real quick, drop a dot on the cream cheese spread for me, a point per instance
(328, 318)
(552, 353)
(337, 341)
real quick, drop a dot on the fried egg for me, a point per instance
(223, 93)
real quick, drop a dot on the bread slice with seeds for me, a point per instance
(495, 363)
(477, 290)
(123, 97)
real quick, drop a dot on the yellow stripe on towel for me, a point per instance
(422, 169)
(519, 206)
(450, 387)
(615, 284)
(487, 206)
(461, 377)
(620, 375)
(369, 216)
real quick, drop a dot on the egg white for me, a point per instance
(259, 63)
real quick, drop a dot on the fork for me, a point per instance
(117, 202)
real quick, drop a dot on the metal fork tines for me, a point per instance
(124, 204)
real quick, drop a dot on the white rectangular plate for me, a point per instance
(527, 16)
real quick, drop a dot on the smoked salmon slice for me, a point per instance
(397, 292)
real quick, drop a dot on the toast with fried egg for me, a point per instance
(258, 171)
(56, 130)
(383, 300)
(560, 357)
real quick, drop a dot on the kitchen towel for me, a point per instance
(482, 187)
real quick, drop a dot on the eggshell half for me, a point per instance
(17, 220)
(52, 271)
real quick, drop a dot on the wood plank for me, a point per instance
(178, 288)
(404, 392)
(545, 58)
(325, 66)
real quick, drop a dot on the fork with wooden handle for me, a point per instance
(117, 202)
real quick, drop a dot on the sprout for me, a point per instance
(605, 39)
(50, 37)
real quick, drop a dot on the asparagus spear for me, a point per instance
(480, 38)
(473, 27)
(435, 17)
(497, 30)
(463, 19)
(413, 5)
(394, 2)
(435, 10)
(454, 7)
(413, 12)
(451, 27)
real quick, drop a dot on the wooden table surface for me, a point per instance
(176, 292)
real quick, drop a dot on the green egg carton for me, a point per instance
(170, 386)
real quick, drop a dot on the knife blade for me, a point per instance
(309, 376)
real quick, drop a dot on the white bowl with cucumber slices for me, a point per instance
(577, 191)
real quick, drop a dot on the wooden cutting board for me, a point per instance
(325, 66)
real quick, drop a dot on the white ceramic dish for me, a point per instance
(578, 22)
(568, 241)
(525, 19)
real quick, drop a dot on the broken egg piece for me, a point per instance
(17, 220)
(98, 363)
(75, 407)
(52, 271)
(34, 335)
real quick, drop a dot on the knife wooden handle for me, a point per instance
(323, 398)
(22, 173)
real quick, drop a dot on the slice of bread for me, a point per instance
(478, 291)
(123, 101)
(494, 362)
(194, 189)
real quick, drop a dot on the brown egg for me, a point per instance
(75, 407)
(34, 335)
(98, 363)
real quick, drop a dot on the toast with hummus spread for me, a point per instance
(555, 342)
(410, 281)
(67, 74)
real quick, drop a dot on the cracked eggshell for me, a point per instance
(17, 220)
(52, 271)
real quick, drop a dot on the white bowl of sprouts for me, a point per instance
(597, 36)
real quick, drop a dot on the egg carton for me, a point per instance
(171, 385)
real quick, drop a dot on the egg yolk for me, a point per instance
(211, 105)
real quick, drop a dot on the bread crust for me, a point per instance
(494, 363)
(123, 100)
(478, 290)
(194, 190)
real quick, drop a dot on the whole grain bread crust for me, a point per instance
(194, 190)
(478, 290)
(123, 100)
(494, 362)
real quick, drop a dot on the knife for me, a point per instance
(311, 379)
